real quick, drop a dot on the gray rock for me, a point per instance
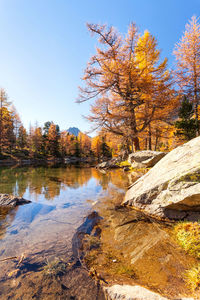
(145, 159)
(11, 201)
(126, 169)
(172, 187)
(128, 292)
(110, 164)
(103, 165)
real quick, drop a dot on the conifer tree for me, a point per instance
(187, 125)
(104, 148)
(22, 137)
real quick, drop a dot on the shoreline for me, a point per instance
(45, 162)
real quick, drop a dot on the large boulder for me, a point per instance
(145, 159)
(172, 187)
(11, 201)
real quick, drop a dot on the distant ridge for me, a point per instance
(73, 130)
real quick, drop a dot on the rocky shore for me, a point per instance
(134, 255)
(46, 161)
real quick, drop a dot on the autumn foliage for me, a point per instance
(131, 86)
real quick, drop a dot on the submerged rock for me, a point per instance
(145, 159)
(11, 201)
(172, 187)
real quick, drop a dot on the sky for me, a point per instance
(45, 47)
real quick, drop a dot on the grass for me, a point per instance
(192, 177)
(124, 163)
(192, 277)
(188, 237)
(55, 267)
(122, 269)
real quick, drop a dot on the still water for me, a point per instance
(36, 251)
(35, 234)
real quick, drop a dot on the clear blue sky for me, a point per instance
(45, 47)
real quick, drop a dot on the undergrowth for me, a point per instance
(124, 163)
(188, 237)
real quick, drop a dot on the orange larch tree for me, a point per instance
(127, 88)
(159, 97)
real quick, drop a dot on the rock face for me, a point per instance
(11, 201)
(171, 188)
(145, 159)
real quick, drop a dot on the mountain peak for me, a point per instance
(73, 130)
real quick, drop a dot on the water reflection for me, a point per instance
(43, 229)
(50, 181)
(59, 196)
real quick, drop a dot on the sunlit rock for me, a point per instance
(128, 292)
(172, 187)
(145, 159)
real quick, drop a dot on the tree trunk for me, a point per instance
(136, 143)
(145, 145)
(149, 138)
(156, 142)
(196, 117)
(196, 103)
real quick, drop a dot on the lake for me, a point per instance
(37, 257)
(35, 236)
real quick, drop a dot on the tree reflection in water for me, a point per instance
(42, 230)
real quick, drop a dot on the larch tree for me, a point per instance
(53, 139)
(38, 140)
(16, 122)
(96, 146)
(4, 104)
(187, 74)
(7, 135)
(85, 143)
(22, 137)
(126, 91)
(63, 143)
(160, 101)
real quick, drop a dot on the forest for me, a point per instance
(139, 102)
